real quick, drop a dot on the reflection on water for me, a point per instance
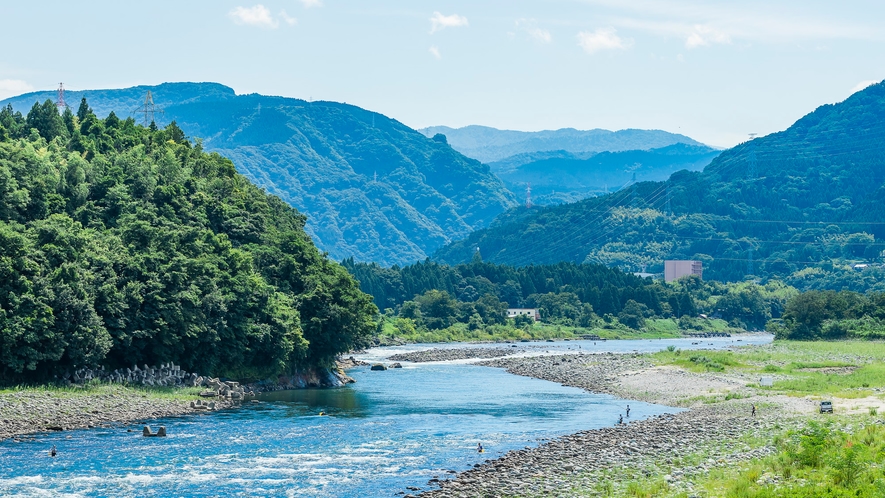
(345, 402)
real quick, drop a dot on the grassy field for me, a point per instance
(845, 369)
(97, 389)
(660, 328)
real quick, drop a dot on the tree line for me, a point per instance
(478, 293)
(832, 314)
(122, 244)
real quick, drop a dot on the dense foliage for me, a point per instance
(803, 205)
(121, 244)
(832, 315)
(437, 296)
(371, 188)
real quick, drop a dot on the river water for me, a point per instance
(390, 430)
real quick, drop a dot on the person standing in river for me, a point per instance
(628, 411)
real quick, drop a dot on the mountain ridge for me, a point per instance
(804, 204)
(489, 144)
(372, 188)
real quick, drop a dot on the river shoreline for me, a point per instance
(34, 411)
(607, 459)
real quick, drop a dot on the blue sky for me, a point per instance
(715, 71)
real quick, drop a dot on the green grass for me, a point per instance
(838, 458)
(460, 332)
(94, 388)
(795, 366)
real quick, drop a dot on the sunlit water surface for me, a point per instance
(390, 430)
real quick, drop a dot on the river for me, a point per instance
(390, 430)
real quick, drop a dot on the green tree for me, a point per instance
(45, 119)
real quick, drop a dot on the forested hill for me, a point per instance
(805, 204)
(372, 188)
(491, 144)
(123, 245)
(559, 176)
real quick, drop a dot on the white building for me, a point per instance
(532, 312)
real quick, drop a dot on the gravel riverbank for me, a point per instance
(676, 448)
(35, 411)
(443, 354)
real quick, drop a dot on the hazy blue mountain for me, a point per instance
(805, 205)
(560, 176)
(372, 188)
(491, 144)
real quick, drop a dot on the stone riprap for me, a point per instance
(165, 375)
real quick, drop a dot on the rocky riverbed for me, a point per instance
(677, 448)
(443, 354)
(34, 411)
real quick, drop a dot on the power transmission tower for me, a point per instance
(148, 110)
(751, 158)
(60, 101)
(528, 195)
(669, 209)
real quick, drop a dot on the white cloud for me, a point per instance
(440, 22)
(311, 3)
(538, 34)
(542, 35)
(435, 52)
(602, 39)
(703, 35)
(727, 22)
(12, 88)
(291, 21)
(258, 16)
(858, 87)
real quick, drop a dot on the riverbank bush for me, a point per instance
(820, 460)
(832, 315)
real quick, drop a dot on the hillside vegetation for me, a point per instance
(371, 188)
(803, 205)
(123, 245)
(440, 302)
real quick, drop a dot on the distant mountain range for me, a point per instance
(491, 144)
(805, 205)
(372, 188)
(558, 177)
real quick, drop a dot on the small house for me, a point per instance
(532, 312)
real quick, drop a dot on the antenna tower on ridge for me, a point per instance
(148, 110)
(60, 101)
(528, 195)
(751, 158)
